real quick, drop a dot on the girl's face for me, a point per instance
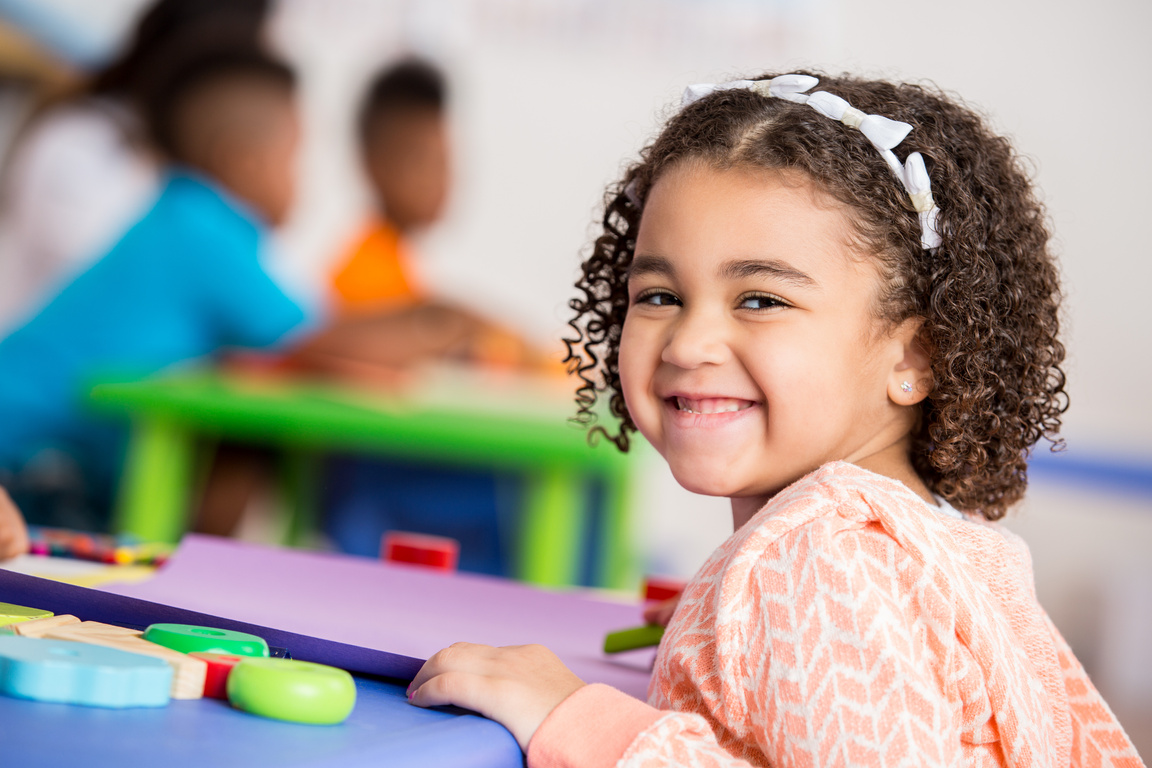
(750, 353)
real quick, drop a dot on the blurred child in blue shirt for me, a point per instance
(187, 280)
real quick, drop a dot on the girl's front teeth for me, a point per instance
(712, 405)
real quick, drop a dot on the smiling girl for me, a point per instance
(859, 349)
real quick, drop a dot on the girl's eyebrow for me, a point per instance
(649, 264)
(734, 270)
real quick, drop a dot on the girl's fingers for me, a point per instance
(517, 686)
(12, 542)
(13, 531)
(458, 657)
(462, 689)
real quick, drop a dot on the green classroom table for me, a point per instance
(458, 418)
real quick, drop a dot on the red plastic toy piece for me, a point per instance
(437, 552)
(662, 588)
(219, 667)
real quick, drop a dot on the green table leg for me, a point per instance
(619, 568)
(300, 482)
(552, 531)
(156, 484)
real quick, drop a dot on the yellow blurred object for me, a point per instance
(111, 574)
(82, 573)
(24, 59)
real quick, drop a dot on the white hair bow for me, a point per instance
(884, 134)
(919, 188)
(789, 87)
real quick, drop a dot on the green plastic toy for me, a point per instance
(298, 691)
(187, 638)
(14, 614)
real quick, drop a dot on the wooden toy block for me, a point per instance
(15, 614)
(219, 668)
(77, 673)
(187, 638)
(662, 588)
(437, 552)
(298, 691)
(189, 672)
(37, 627)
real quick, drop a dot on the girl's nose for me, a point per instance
(695, 341)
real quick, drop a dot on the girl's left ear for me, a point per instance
(910, 379)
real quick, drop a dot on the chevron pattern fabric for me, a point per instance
(850, 624)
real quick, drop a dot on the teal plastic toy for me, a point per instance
(187, 638)
(78, 673)
(299, 691)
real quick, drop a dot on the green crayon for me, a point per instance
(630, 639)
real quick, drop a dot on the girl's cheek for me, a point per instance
(625, 387)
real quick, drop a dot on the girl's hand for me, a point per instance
(517, 685)
(661, 612)
(13, 532)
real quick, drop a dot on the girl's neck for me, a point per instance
(892, 462)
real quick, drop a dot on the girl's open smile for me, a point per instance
(707, 412)
(710, 405)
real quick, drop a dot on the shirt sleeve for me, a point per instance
(72, 188)
(75, 186)
(1095, 730)
(600, 727)
(592, 727)
(250, 305)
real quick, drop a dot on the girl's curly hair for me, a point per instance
(989, 296)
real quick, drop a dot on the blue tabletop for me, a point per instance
(383, 729)
(411, 613)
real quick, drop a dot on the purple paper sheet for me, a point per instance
(388, 617)
(95, 605)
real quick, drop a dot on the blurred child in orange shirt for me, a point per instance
(389, 321)
(404, 141)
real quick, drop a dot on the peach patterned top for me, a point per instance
(850, 624)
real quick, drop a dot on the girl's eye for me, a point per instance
(657, 299)
(761, 301)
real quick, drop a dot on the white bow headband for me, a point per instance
(882, 132)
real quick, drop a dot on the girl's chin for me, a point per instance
(728, 486)
(705, 484)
